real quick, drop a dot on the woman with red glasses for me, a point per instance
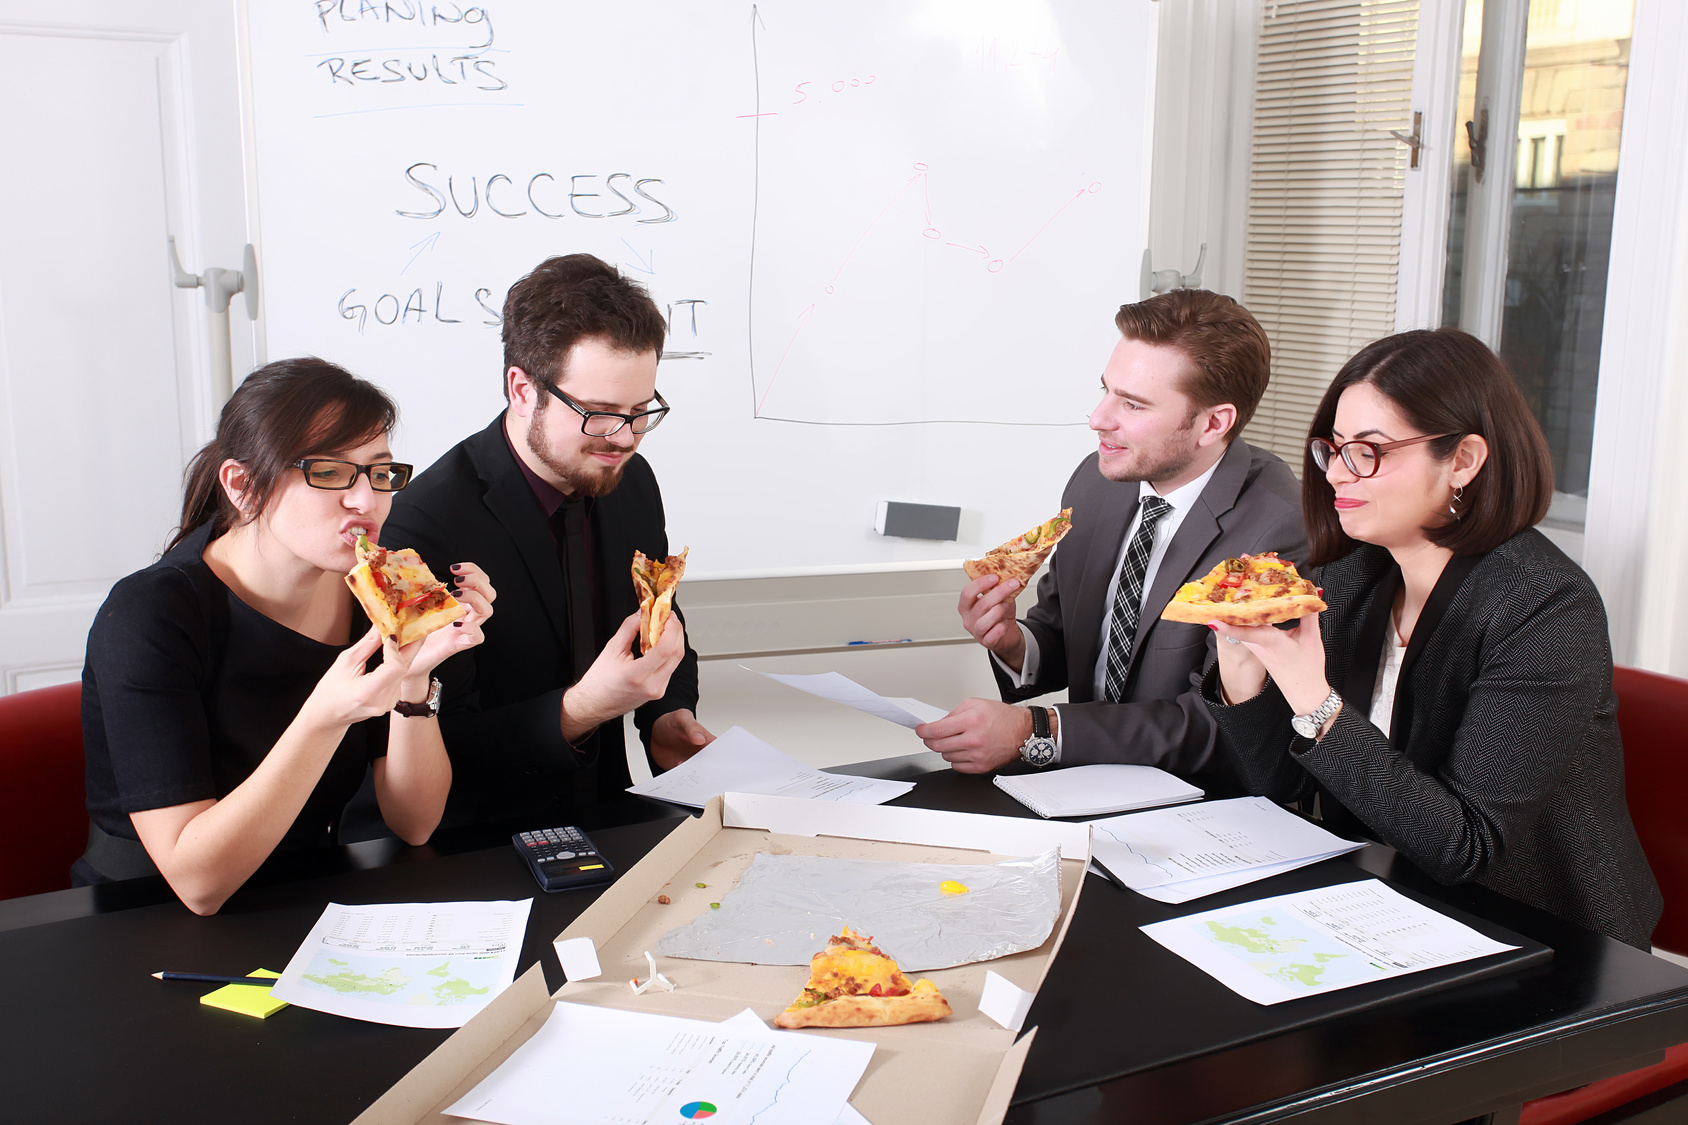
(229, 707)
(1455, 700)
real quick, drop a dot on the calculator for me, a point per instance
(563, 859)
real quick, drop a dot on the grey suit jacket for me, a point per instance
(1503, 765)
(1250, 505)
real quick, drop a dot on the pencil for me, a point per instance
(215, 978)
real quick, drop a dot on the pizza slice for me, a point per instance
(1248, 590)
(400, 593)
(655, 582)
(853, 984)
(1021, 556)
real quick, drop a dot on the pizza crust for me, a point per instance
(406, 625)
(1265, 611)
(868, 1011)
(656, 581)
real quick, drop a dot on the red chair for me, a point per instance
(43, 796)
(1652, 714)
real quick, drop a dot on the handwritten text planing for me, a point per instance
(402, 13)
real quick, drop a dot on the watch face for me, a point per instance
(1304, 726)
(1038, 751)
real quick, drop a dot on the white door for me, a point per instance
(122, 125)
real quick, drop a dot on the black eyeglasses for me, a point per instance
(1361, 457)
(325, 472)
(603, 423)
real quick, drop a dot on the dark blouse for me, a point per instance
(1504, 765)
(185, 690)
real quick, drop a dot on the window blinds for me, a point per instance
(1324, 198)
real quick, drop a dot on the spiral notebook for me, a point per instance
(1096, 790)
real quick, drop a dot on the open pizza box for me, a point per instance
(959, 1070)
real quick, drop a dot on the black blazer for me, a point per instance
(1251, 505)
(1504, 766)
(501, 709)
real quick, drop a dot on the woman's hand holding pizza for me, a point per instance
(474, 590)
(1295, 658)
(350, 691)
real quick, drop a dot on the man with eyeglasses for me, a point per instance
(553, 498)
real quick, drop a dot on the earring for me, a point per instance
(1459, 495)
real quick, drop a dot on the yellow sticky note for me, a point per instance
(247, 999)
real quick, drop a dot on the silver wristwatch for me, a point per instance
(1039, 749)
(1307, 726)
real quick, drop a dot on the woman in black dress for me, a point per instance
(228, 706)
(1455, 700)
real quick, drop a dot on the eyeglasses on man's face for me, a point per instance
(1361, 457)
(603, 423)
(326, 472)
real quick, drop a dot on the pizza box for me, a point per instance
(959, 1070)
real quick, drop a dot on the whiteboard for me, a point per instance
(889, 235)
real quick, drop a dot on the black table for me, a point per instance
(1127, 1031)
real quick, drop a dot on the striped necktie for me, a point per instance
(1122, 622)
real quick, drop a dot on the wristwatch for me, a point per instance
(1039, 749)
(1307, 726)
(426, 709)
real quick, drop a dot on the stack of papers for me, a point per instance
(1303, 944)
(841, 689)
(1175, 855)
(590, 1065)
(739, 762)
(1093, 790)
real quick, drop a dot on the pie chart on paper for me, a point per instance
(696, 1111)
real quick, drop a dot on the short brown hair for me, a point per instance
(569, 299)
(1226, 346)
(1443, 381)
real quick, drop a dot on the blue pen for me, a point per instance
(898, 641)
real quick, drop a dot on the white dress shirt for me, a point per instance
(1181, 499)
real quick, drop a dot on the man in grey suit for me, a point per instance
(1170, 493)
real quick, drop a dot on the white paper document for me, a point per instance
(748, 1019)
(589, 1065)
(1177, 854)
(414, 964)
(1304, 944)
(841, 689)
(739, 762)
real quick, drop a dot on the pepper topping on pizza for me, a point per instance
(852, 983)
(400, 593)
(1248, 590)
(655, 581)
(1022, 555)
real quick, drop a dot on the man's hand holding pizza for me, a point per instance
(618, 681)
(987, 612)
(979, 736)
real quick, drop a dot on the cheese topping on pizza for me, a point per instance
(1247, 590)
(400, 594)
(853, 983)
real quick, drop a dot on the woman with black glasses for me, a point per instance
(229, 708)
(1455, 700)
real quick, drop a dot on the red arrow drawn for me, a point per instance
(979, 250)
(1077, 195)
(803, 319)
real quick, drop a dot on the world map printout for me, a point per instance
(1304, 944)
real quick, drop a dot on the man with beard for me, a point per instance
(1169, 494)
(553, 499)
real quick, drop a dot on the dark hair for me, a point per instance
(1443, 381)
(569, 299)
(1228, 349)
(282, 412)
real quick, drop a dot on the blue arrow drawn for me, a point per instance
(421, 248)
(646, 265)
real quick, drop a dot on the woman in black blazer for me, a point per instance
(1455, 701)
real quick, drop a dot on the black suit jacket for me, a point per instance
(1504, 764)
(501, 709)
(1251, 505)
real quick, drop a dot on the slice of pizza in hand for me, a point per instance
(655, 581)
(1022, 555)
(1248, 590)
(400, 593)
(853, 984)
